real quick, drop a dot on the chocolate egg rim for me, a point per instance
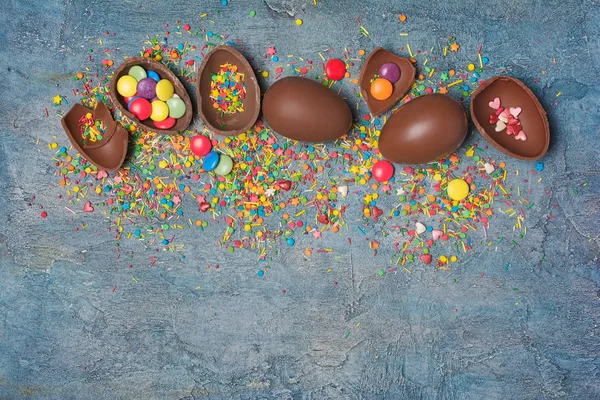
(253, 80)
(490, 139)
(160, 69)
(396, 59)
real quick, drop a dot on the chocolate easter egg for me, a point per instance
(378, 63)
(164, 73)
(305, 110)
(227, 91)
(425, 129)
(511, 118)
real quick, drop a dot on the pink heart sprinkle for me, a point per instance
(513, 129)
(521, 136)
(87, 207)
(515, 111)
(436, 234)
(495, 104)
(101, 174)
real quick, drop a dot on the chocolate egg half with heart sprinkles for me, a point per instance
(304, 110)
(423, 130)
(227, 92)
(511, 118)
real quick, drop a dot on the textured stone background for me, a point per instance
(65, 335)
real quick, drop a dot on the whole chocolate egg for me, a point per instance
(425, 129)
(305, 110)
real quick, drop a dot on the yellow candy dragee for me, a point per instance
(458, 189)
(164, 89)
(127, 85)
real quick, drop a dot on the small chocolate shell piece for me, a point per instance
(376, 59)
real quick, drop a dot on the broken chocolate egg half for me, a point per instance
(227, 92)
(164, 73)
(371, 68)
(107, 153)
(502, 101)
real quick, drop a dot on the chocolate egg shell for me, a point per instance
(165, 73)
(376, 59)
(512, 93)
(305, 110)
(107, 154)
(425, 129)
(220, 123)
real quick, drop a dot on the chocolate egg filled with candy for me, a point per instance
(124, 87)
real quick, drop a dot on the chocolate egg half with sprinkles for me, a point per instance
(423, 130)
(227, 91)
(305, 110)
(511, 118)
(96, 136)
(165, 74)
(375, 70)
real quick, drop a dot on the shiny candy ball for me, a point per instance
(154, 75)
(160, 111)
(211, 161)
(383, 171)
(390, 71)
(458, 189)
(224, 166)
(176, 107)
(335, 69)
(164, 89)
(200, 145)
(137, 72)
(130, 100)
(141, 108)
(381, 89)
(167, 123)
(126, 86)
(146, 88)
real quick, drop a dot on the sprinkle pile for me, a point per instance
(507, 119)
(91, 130)
(228, 89)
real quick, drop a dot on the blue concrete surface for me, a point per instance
(429, 334)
